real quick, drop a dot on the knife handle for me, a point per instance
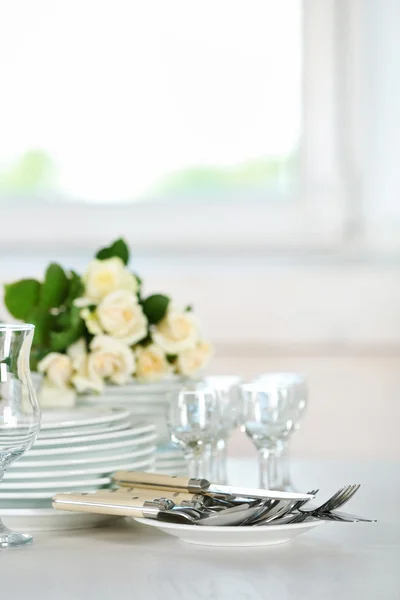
(145, 493)
(156, 481)
(117, 504)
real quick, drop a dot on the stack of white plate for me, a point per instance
(147, 401)
(170, 460)
(76, 450)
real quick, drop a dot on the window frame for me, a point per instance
(316, 217)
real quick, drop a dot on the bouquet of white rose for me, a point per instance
(99, 328)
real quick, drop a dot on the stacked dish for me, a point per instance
(76, 450)
(147, 401)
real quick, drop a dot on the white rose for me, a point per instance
(91, 321)
(193, 360)
(54, 396)
(57, 368)
(178, 331)
(120, 315)
(104, 277)
(85, 379)
(108, 359)
(151, 364)
(77, 352)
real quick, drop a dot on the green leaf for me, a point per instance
(20, 297)
(117, 248)
(70, 333)
(36, 356)
(189, 308)
(54, 288)
(155, 307)
(43, 322)
(76, 287)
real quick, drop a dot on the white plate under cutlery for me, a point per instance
(266, 535)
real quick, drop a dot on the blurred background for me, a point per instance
(248, 152)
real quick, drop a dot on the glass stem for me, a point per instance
(220, 458)
(198, 464)
(285, 461)
(271, 475)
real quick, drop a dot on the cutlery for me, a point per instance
(133, 492)
(133, 507)
(338, 499)
(198, 486)
(345, 517)
(177, 507)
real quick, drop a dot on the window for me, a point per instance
(216, 124)
(131, 101)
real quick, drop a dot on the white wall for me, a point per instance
(337, 322)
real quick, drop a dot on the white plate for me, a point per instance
(50, 519)
(41, 494)
(134, 387)
(151, 402)
(267, 535)
(90, 450)
(97, 437)
(80, 416)
(60, 464)
(61, 485)
(104, 468)
(74, 431)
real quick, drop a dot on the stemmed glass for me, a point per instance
(230, 413)
(193, 423)
(273, 406)
(19, 409)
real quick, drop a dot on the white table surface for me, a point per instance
(126, 560)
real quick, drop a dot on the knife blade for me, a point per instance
(199, 486)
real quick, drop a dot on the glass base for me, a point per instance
(12, 539)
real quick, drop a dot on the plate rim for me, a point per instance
(48, 442)
(49, 485)
(61, 463)
(228, 528)
(117, 413)
(70, 432)
(84, 449)
(27, 475)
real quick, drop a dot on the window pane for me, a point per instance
(133, 100)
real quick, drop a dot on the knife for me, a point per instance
(198, 486)
(117, 505)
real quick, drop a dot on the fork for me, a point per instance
(338, 499)
(272, 510)
(323, 511)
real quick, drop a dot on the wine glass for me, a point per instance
(19, 409)
(298, 394)
(193, 423)
(230, 411)
(273, 405)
